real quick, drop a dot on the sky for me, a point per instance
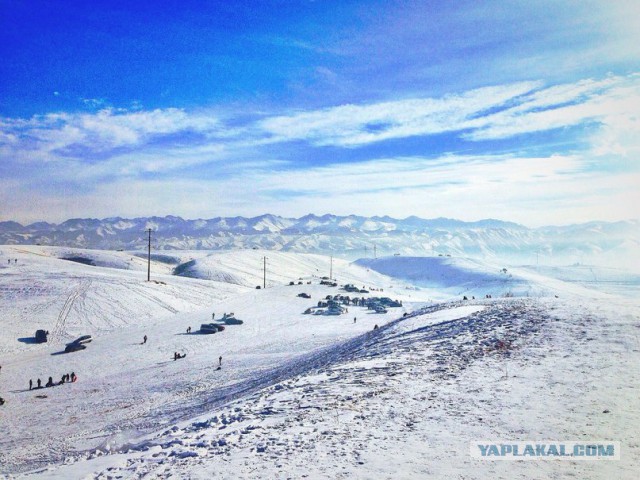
(516, 110)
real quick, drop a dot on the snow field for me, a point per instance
(320, 397)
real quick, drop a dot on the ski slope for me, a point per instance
(315, 395)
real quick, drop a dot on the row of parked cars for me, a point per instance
(79, 343)
(227, 319)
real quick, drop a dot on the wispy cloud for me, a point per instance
(352, 125)
(102, 131)
(481, 114)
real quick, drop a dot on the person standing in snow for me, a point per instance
(144, 339)
(73, 377)
(30, 384)
(188, 329)
(39, 384)
(220, 361)
(49, 382)
(354, 319)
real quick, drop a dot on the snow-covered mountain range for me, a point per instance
(347, 236)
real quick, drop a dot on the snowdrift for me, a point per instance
(455, 276)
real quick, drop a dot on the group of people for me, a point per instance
(177, 355)
(66, 378)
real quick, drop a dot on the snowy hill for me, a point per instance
(301, 394)
(348, 237)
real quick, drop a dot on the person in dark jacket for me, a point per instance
(49, 382)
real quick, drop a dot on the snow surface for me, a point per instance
(309, 396)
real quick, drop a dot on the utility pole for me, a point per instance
(264, 278)
(149, 257)
(331, 268)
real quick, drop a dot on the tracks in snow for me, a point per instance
(80, 291)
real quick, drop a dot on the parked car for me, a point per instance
(41, 336)
(232, 321)
(208, 328)
(74, 347)
(83, 339)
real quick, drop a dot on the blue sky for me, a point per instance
(518, 110)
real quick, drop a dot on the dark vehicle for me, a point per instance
(41, 336)
(232, 321)
(304, 295)
(82, 339)
(208, 328)
(74, 347)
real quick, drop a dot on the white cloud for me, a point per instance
(482, 114)
(104, 130)
(607, 102)
(351, 125)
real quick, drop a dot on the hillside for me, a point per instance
(297, 394)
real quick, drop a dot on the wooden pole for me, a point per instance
(149, 258)
(264, 280)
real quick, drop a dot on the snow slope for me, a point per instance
(132, 387)
(317, 396)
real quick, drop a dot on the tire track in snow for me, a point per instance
(140, 290)
(59, 328)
